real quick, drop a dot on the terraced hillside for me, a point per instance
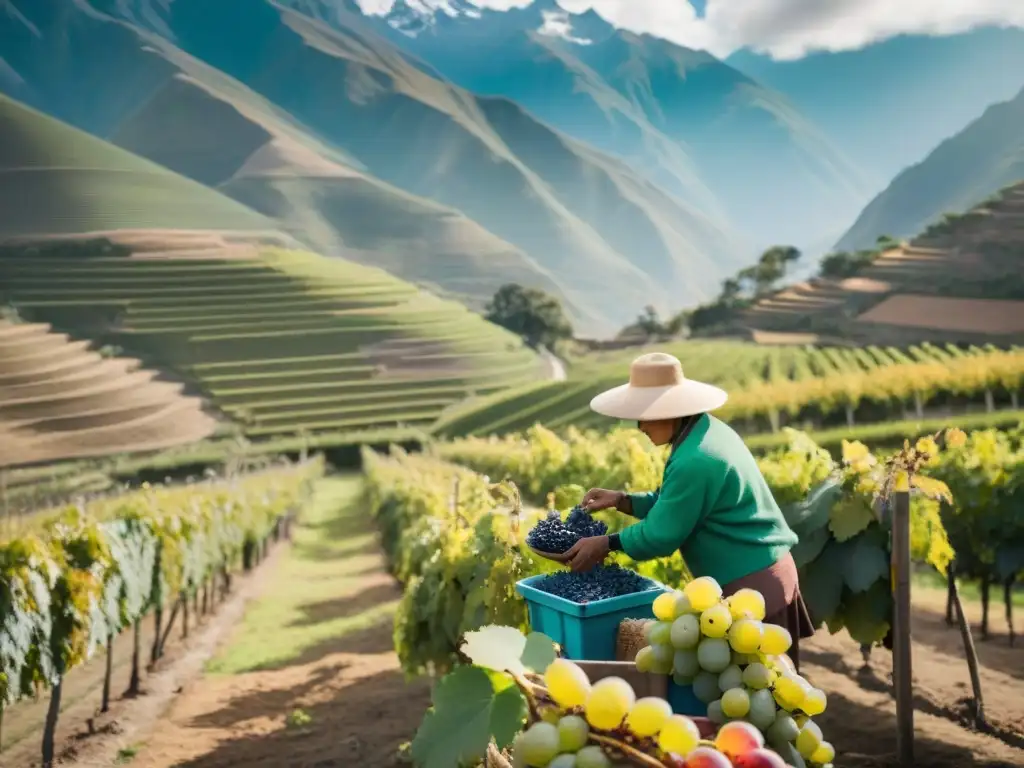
(59, 399)
(747, 371)
(962, 280)
(280, 341)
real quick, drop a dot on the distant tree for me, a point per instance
(649, 323)
(536, 316)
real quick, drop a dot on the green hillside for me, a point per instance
(56, 179)
(342, 138)
(958, 174)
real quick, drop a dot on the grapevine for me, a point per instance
(84, 574)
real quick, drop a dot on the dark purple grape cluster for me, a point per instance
(553, 535)
(599, 583)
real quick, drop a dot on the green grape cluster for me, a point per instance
(588, 725)
(737, 666)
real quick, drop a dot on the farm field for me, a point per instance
(957, 281)
(318, 638)
(771, 386)
(279, 341)
(60, 400)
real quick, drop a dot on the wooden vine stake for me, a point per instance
(972, 658)
(902, 664)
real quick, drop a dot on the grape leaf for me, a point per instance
(867, 616)
(467, 714)
(813, 513)
(821, 583)
(810, 546)
(495, 647)
(539, 652)
(849, 517)
(864, 563)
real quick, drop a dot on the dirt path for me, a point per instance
(861, 715)
(318, 641)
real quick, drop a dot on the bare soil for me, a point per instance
(948, 314)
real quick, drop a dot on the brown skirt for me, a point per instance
(784, 607)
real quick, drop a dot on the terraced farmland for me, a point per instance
(977, 257)
(747, 371)
(279, 341)
(59, 399)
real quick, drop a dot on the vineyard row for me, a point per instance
(83, 575)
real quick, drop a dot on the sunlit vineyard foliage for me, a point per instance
(81, 575)
(460, 560)
(769, 388)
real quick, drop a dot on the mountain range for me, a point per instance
(463, 148)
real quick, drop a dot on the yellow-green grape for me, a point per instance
(645, 659)
(789, 692)
(705, 687)
(665, 606)
(814, 702)
(686, 664)
(762, 709)
(747, 604)
(662, 656)
(825, 753)
(703, 593)
(592, 757)
(565, 760)
(685, 631)
(735, 703)
(731, 677)
(715, 713)
(783, 731)
(808, 740)
(682, 604)
(715, 621)
(714, 654)
(572, 733)
(745, 635)
(680, 735)
(567, 683)
(660, 633)
(782, 662)
(775, 639)
(550, 715)
(757, 676)
(538, 744)
(648, 716)
(792, 757)
(608, 703)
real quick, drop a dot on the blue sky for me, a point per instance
(781, 29)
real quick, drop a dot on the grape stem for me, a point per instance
(635, 756)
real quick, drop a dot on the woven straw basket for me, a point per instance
(630, 638)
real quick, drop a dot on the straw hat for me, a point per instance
(657, 389)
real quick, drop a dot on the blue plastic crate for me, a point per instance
(586, 631)
(684, 702)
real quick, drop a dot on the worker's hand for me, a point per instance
(597, 499)
(588, 552)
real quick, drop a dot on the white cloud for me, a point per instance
(785, 29)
